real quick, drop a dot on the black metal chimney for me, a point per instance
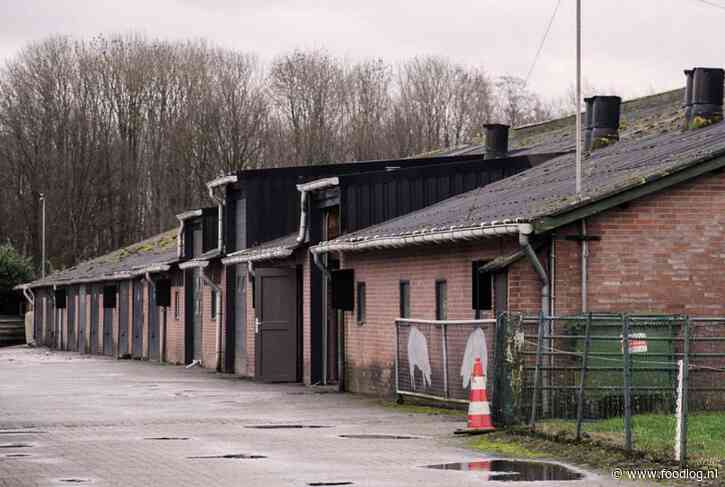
(588, 123)
(605, 121)
(707, 96)
(689, 74)
(497, 140)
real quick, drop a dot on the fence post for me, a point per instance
(537, 372)
(627, 385)
(685, 383)
(445, 360)
(583, 378)
(397, 364)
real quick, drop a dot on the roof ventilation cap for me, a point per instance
(497, 140)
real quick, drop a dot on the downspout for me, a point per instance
(545, 295)
(536, 263)
(218, 291)
(179, 238)
(303, 218)
(28, 294)
(220, 213)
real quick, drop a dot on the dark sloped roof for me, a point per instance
(641, 117)
(549, 189)
(157, 250)
(278, 248)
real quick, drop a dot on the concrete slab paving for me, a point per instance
(90, 421)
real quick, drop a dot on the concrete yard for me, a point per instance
(70, 419)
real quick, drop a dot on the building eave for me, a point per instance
(434, 236)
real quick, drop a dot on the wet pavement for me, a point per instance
(70, 419)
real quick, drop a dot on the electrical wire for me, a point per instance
(543, 41)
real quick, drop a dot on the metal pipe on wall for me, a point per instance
(585, 267)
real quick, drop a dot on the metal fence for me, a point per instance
(434, 359)
(601, 366)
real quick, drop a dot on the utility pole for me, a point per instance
(42, 259)
(578, 96)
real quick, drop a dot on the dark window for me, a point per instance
(404, 299)
(177, 305)
(360, 302)
(60, 298)
(343, 289)
(163, 292)
(109, 296)
(481, 287)
(213, 304)
(441, 300)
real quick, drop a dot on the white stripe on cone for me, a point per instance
(477, 384)
(479, 408)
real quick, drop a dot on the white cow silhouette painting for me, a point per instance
(475, 348)
(418, 357)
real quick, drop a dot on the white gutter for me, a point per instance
(182, 217)
(433, 236)
(192, 264)
(306, 188)
(268, 254)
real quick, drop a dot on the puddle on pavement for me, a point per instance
(168, 438)
(380, 437)
(236, 456)
(16, 455)
(74, 481)
(513, 471)
(16, 445)
(285, 426)
(329, 483)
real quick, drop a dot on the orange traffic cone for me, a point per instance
(479, 411)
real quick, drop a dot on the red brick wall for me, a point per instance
(175, 320)
(370, 356)
(209, 326)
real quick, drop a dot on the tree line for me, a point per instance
(120, 133)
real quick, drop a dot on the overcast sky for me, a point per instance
(631, 47)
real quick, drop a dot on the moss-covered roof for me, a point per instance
(157, 250)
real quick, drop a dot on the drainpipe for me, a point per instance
(179, 237)
(526, 230)
(303, 217)
(250, 268)
(217, 289)
(28, 294)
(525, 244)
(220, 212)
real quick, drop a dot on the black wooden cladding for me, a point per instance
(370, 198)
(210, 228)
(163, 292)
(109, 296)
(272, 202)
(343, 289)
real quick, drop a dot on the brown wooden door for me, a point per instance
(276, 325)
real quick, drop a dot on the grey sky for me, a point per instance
(631, 47)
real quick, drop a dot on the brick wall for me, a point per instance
(370, 347)
(175, 320)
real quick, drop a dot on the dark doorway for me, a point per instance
(110, 299)
(49, 321)
(240, 322)
(94, 320)
(153, 338)
(137, 322)
(82, 320)
(276, 324)
(193, 325)
(72, 343)
(123, 293)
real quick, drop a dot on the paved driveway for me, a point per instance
(66, 418)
